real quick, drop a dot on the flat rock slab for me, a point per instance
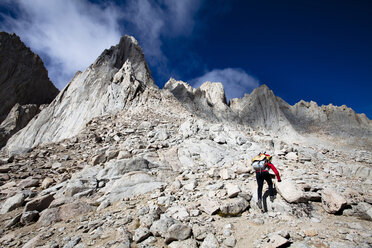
(64, 212)
(13, 203)
(39, 204)
(276, 241)
(290, 191)
(209, 205)
(28, 182)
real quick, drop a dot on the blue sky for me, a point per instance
(316, 50)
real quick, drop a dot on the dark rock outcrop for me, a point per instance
(23, 77)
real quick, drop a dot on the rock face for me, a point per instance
(23, 77)
(18, 118)
(118, 79)
(208, 101)
(263, 110)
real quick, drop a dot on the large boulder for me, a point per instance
(332, 202)
(290, 191)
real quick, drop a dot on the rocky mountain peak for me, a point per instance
(214, 92)
(23, 77)
(126, 56)
(119, 79)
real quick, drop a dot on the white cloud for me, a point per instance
(235, 81)
(68, 34)
(155, 21)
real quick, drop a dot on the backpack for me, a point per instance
(258, 162)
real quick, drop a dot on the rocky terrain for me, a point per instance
(114, 161)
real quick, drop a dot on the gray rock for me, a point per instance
(232, 190)
(229, 241)
(332, 202)
(199, 232)
(276, 240)
(13, 202)
(290, 191)
(29, 217)
(39, 204)
(364, 210)
(73, 242)
(233, 207)
(13, 221)
(18, 117)
(177, 232)
(160, 227)
(28, 182)
(141, 234)
(189, 243)
(209, 205)
(210, 241)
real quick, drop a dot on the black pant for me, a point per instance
(260, 177)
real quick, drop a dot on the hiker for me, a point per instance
(262, 164)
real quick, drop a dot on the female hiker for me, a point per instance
(262, 164)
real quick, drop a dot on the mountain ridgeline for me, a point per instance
(120, 79)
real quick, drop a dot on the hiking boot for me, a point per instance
(272, 197)
(259, 204)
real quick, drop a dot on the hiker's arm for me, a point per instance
(275, 171)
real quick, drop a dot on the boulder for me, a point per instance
(39, 204)
(28, 183)
(210, 241)
(364, 210)
(290, 191)
(332, 202)
(29, 217)
(209, 205)
(141, 234)
(232, 190)
(291, 156)
(275, 241)
(160, 227)
(177, 232)
(13, 202)
(47, 182)
(233, 207)
(189, 243)
(226, 174)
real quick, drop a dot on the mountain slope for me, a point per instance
(118, 79)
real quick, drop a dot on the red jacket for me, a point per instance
(274, 170)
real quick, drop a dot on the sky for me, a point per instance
(314, 50)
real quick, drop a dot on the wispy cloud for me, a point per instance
(235, 81)
(155, 21)
(69, 35)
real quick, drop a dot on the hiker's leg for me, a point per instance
(270, 183)
(260, 181)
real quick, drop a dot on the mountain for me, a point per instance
(119, 79)
(23, 77)
(113, 161)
